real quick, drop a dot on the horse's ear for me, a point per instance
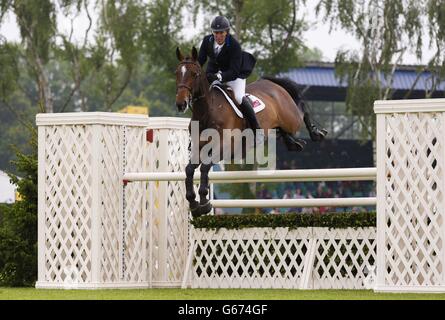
(179, 54)
(194, 54)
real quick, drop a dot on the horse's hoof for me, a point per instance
(196, 213)
(299, 145)
(317, 134)
(205, 208)
(294, 144)
(194, 209)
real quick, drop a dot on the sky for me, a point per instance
(318, 35)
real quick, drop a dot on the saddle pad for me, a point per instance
(258, 105)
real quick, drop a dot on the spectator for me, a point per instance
(309, 209)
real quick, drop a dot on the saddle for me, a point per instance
(258, 104)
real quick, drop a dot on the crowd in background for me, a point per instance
(333, 154)
(327, 154)
(309, 190)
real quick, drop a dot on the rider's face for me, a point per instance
(220, 36)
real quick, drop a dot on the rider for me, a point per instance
(228, 64)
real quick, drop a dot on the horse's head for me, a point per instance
(188, 74)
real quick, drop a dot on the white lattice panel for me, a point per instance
(93, 231)
(344, 258)
(278, 258)
(67, 186)
(411, 205)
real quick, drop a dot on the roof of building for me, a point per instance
(322, 76)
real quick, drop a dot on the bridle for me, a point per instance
(189, 89)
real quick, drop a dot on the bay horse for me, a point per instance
(285, 111)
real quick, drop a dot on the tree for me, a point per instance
(108, 63)
(386, 30)
(119, 42)
(436, 22)
(163, 25)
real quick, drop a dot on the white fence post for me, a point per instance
(41, 267)
(411, 195)
(380, 192)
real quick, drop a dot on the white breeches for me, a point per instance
(239, 88)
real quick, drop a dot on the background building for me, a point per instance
(7, 189)
(326, 94)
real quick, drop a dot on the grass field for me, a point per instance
(208, 294)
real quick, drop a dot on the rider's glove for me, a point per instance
(219, 76)
(212, 77)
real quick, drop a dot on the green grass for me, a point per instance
(208, 294)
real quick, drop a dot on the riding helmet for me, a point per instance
(220, 23)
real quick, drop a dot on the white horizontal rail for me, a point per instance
(347, 174)
(297, 203)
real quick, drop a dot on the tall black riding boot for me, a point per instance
(247, 110)
(249, 114)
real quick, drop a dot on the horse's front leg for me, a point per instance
(204, 204)
(189, 187)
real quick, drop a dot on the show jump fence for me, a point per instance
(95, 231)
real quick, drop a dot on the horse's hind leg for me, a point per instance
(190, 192)
(315, 133)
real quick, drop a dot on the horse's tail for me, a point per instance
(291, 87)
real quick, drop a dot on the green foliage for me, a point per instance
(291, 220)
(37, 23)
(3, 211)
(16, 110)
(123, 20)
(9, 75)
(18, 230)
(363, 90)
(162, 27)
(436, 29)
(275, 32)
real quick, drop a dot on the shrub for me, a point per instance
(18, 228)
